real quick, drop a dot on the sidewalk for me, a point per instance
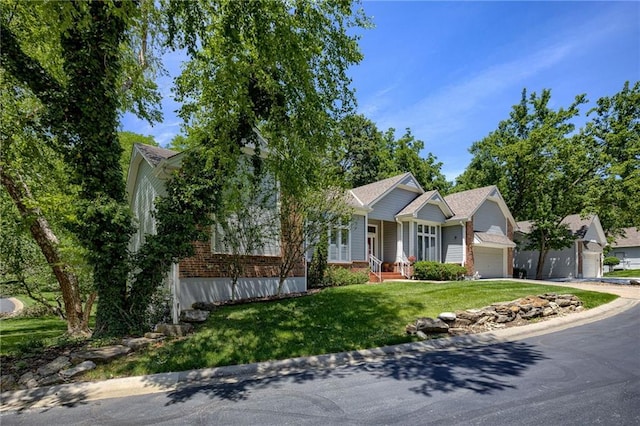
(166, 382)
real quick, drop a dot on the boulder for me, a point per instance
(53, 379)
(155, 336)
(7, 381)
(80, 368)
(430, 325)
(447, 316)
(422, 335)
(136, 343)
(194, 315)
(178, 330)
(100, 355)
(54, 366)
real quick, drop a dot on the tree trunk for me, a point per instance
(542, 255)
(77, 322)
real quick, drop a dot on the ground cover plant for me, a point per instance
(333, 320)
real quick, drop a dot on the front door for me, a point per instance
(372, 243)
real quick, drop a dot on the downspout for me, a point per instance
(464, 243)
(175, 290)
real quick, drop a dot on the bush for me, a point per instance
(318, 264)
(336, 277)
(437, 271)
(611, 261)
(519, 273)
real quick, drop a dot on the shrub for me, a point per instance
(519, 273)
(318, 264)
(437, 271)
(611, 261)
(336, 277)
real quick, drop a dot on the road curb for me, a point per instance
(68, 394)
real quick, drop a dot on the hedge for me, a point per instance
(436, 271)
(335, 277)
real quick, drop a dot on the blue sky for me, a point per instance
(451, 71)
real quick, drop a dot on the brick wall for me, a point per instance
(205, 264)
(469, 264)
(510, 250)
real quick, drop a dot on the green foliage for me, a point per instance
(436, 271)
(611, 261)
(127, 140)
(318, 264)
(335, 276)
(367, 155)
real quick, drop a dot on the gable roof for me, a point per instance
(154, 154)
(578, 226)
(369, 194)
(414, 207)
(465, 204)
(631, 238)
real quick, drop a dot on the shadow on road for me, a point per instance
(482, 369)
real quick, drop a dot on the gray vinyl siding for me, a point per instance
(391, 204)
(489, 218)
(432, 213)
(389, 241)
(145, 191)
(405, 239)
(452, 249)
(358, 238)
(558, 263)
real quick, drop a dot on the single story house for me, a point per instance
(582, 260)
(392, 220)
(627, 249)
(395, 219)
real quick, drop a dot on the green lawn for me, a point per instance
(334, 320)
(623, 273)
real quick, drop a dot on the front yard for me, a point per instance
(333, 320)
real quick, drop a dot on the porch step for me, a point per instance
(386, 276)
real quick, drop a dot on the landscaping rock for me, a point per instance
(430, 325)
(7, 381)
(174, 329)
(100, 355)
(53, 379)
(194, 315)
(136, 343)
(80, 368)
(447, 316)
(54, 366)
(155, 336)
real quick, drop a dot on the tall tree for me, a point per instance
(541, 167)
(71, 61)
(274, 66)
(614, 136)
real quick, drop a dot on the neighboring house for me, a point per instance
(627, 249)
(204, 277)
(582, 260)
(395, 219)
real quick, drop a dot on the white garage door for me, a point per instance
(488, 262)
(591, 265)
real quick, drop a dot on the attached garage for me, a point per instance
(489, 262)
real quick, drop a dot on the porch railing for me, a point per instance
(375, 266)
(404, 267)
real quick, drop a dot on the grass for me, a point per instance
(334, 320)
(19, 335)
(623, 273)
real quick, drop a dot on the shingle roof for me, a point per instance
(370, 192)
(416, 204)
(631, 238)
(577, 225)
(154, 154)
(487, 237)
(465, 203)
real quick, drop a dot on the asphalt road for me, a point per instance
(579, 376)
